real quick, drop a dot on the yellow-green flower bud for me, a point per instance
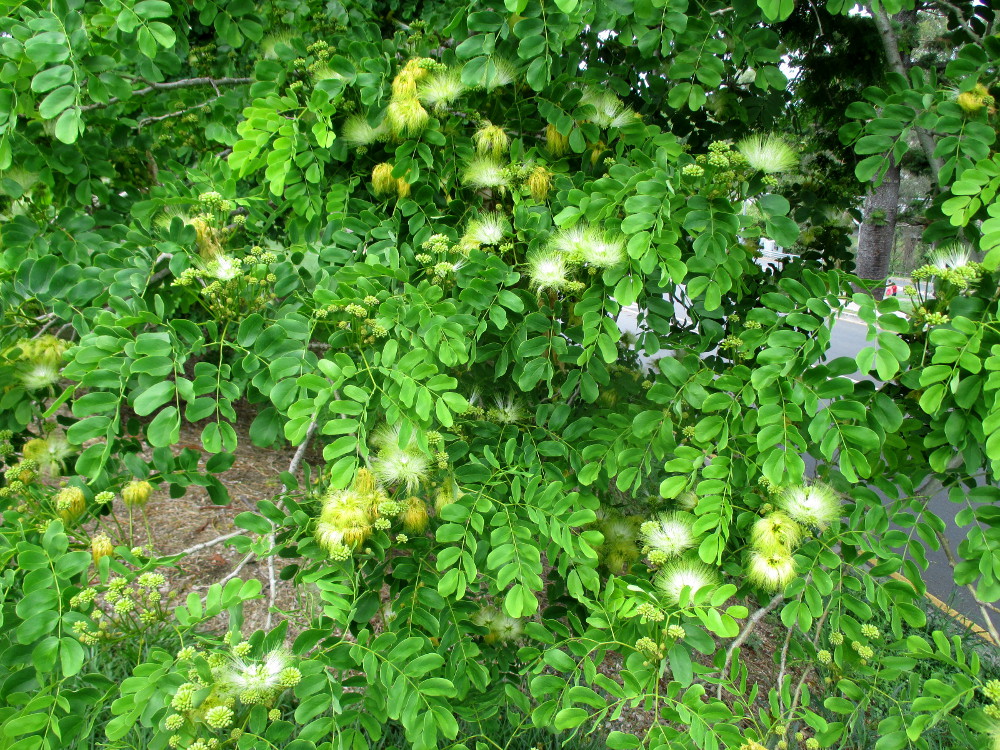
(137, 493)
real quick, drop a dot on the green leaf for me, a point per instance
(57, 101)
(154, 397)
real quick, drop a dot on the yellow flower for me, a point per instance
(556, 143)
(101, 546)
(539, 183)
(383, 182)
(137, 493)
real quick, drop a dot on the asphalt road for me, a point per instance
(850, 337)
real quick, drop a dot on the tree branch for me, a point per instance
(209, 543)
(946, 546)
(147, 120)
(748, 628)
(961, 21)
(293, 466)
(183, 83)
(891, 46)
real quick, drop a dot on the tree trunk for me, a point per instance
(878, 230)
(910, 237)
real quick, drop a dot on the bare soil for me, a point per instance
(176, 525)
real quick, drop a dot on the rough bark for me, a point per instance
(878, 230)
(910, 237)
(900, 62)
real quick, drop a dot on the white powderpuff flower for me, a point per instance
(508, 628)
(441, 89)
(401, 467)
(387, 436)
(224, 268)
(617, 529)
(357, 132)
(268, 46)
(405, 117)
(605, 252)
(489, 229)
(687, 500)
(548, 271)
(263, 676)
(951, 257)
(498, 72)
(768, 153)
(691, 574)
(817, 505)
(507, 410)
(49, 452)
(771, 570)
(38, 376)
(669, 535)
(329, 536)
(775, 532)
(609, 111)
(623, 117)
(576, 241)
(485, 172)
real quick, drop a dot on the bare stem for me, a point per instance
(748, 628)
(183, 83)
(293, 466)
(891, 46)
(209, 543)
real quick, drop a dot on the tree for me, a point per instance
(409, 237)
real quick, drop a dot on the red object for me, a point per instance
(890, 291)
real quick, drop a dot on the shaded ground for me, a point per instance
(174, 525)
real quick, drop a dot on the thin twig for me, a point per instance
(809, 668)
(209, 543)
(169, 86)
(300, 452)
(891, 46)
(293, 466)
(748, 628)
(237, 569)
(147, 120)
(784, 659)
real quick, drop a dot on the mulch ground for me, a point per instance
(178, 524)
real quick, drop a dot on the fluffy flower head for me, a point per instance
(49, 451)
(576, 241)
(768, 153)
(775, 532)
(668, 536)
(401, 467)
(691, 574)
(951, 257)
(489, 229)
(605, 252)
(491, 140)
(548, 271)
(441, 89)
(38, 376)
(357, 133)
(223, 268)
(406, 117)
(507, 410)
(498, 72)
(817, 505)
(485, 172)
(772, 570)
